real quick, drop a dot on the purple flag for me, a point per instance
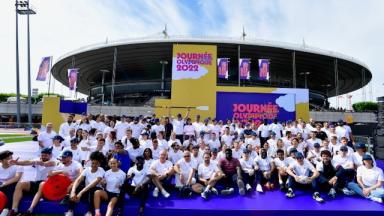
(44, 68)
(72, 78)
(263, 69)
(244, 68)
(222, 68)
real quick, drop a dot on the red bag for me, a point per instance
(55, 188)
(3, 201)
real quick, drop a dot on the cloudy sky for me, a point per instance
(352, 27)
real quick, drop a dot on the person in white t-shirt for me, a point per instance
(189, 129)
(343, 162)
(281, 165)
(357, 156)
(45, 138)
(198, 124)
(42, 166)
(92, 177)
(369, 181)
(174, 153)
(185, 169)
(277, 128)
(10, 174)
(136, 128)
(248, 169)
(65, 126)
(214, 142)
(178, 126)
(121, 128)
(302, 173)
(75, 149)
(161, 172)
(227, 138)
(313, 155)
(173, 139)
(312, 140)
(264, 167)
(209, 174)
(112, 181)
(263, 131)
(109, 128)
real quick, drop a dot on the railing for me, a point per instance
(367, 140)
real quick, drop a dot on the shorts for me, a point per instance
(34, 187)
(112, 195)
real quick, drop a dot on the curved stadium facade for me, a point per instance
(139, 73)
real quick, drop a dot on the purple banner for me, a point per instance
(255, 106)
(44, 68)
(222, 68)
(244, 68)
(72, 78)
(263, 69)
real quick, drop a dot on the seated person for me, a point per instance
(302, 174)
(264, 167)
(369, 181)
(248, 169)
(209, 174)
(281, 165)
(231, 169)
(161, 172)
(344, 166)
(185, 170)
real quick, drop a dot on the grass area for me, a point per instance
(11, 135)
(17, 139)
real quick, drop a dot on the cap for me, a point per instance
(273, 133)
(58, 137)
(46, 150)
(246, 151)
(343, 148)
(340, 121)
(214, 150)
(299, 155)
(144, 133)
(367, 157)
(254, 133)
(66, 153)
(360, 146)
(292, 150)
(74, 140)
(316, 145)
(5, 154)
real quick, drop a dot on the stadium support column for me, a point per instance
(163, 63)
(336, 83)
(238, 64)
(17, 68)
(113, 74)
(294, 69)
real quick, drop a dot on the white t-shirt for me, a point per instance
(42, 171)
(311, 142)
(358, 159)
(302, 170)
(277, 128)
(65, 127)
(175, 156)
(246, 165)
(189, 130)
(145, 143)
(46, 138)
(206, 172)
(10, 172)
(127, 144)
(215, 129)
(134, 153)
(156, 152)
(71, 169)
(84, 154)
(345, 162)
(227, 139)
(264, 129)
(264, 164)
(214, 144)
(342, 132)
(157, 128)
(161, 168)
(253, 142)
(138, 175)
(136, 129)
(84, 126)
(186, 167)
(100, 126)
(121, 129)
(280, 163)
(371, 176)
(178, 126)
(91, 176)
(237, 153)
(56, 150)
(114, 180)
(76, 153)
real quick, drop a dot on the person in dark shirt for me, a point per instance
(232, 174)
(319, 133)
(168, 128)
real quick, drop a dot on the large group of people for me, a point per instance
(107, 157)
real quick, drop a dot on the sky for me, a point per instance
(352, 27)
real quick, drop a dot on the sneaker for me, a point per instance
(214, 191)
(165, 193)
(332, 193)
(290, 193)
(348, 192)
(155, 192)
(68, 213)
(227, 191)
(204, 195)
(377, 199)
(12, 213)
(316, 196)
(88, 214)
(282, 187)
(27, 213)
(248, 187)
(4, 212)
(259, 188)
(241, 188)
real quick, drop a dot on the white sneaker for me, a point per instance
(214, 191)
(248, 187)
(348, 192)
(316, 196)
(259, 188)
(165, 193)
(155, 192)
(68, 213)
(377, 199)
(88, 214)
(4, 212)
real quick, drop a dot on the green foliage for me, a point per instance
(5, 96)
(37, 99)
(365, 106)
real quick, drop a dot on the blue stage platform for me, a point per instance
(266, 204)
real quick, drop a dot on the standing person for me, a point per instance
(136, 127)
(369, 181)
(168, 127)
(65, 126)
(92, 177)
(189, 130)
(302, 174)
(45, 138)
(277, 128)
(9, 176)
(231, 169)
(113, 180)
(121, 127)
(43, 166)
(263, 131)
(161, 172)
(178, 126)
(84, 123)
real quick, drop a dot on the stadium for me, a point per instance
(143, 69)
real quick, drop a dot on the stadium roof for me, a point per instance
(139, 60)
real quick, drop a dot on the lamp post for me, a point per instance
(22, 8)
(102, 85)
(305, 78)
(163, 63)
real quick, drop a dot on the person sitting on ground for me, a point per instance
(357, 156)
(174, 153)
(370, 180)
(9, 176)
(344, 166)
(209, 174)
(264, 167)
(42, 166)
(57, 146)
(113, 180)
(281, 165)
(161, 172)
(231, 169)
(92, 177)
(122, 155)
(185, 170)
(248, 170)
(75, 149)
(302, 174)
